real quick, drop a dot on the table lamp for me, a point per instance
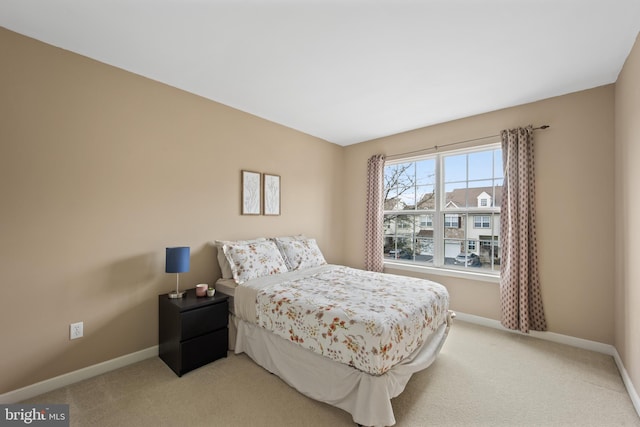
(177, 261)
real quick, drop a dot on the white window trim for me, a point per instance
(491, 276)
(482, 227)
(442, 271)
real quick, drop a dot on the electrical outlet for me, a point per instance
(76, 330)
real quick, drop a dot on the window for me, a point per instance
(482, 221)
(426, 221)
(452, 221)
(443, 210)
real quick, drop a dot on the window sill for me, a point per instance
(441, 271)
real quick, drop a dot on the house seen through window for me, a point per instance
(443, 210)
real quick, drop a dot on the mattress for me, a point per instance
(366, 397)
(228, 287)
(369, 321)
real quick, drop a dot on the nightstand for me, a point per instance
(192, 330)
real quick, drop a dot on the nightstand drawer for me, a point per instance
(205, 319)
(203, 349)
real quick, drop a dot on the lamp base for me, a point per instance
(176, 294)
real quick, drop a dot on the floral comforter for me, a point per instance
(370, 321)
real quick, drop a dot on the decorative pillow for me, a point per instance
(280, 241)
(300, 253)
(225, 268)
(252, 260)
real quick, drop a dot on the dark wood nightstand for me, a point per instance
(192, 330)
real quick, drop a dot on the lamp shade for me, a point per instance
(177, 260)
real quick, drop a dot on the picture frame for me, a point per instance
(271, 193)
(251, 195)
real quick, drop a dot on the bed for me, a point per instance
(343, 336)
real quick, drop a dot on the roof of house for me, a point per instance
(468, 197)
(459, 197)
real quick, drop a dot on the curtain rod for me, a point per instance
(436, 147)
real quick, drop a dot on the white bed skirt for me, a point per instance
(366, 397)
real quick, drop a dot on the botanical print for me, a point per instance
(271, 194)
(367, 320)
(250, 193)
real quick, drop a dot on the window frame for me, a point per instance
(481, 222)
(438, 215)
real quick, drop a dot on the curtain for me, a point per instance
(374, 236)
(520, 298)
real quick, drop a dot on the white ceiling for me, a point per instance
(348, 70)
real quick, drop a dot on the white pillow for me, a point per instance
(252, 260)
(225, 268)
(300, 253)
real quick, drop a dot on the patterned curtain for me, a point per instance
(374, 237)
(520, 297)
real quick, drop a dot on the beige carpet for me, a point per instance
(483, 377)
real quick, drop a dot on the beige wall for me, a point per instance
(575, 178)
(100, 170)
(627, 202)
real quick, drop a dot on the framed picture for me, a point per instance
(271, 194)
(251, 201)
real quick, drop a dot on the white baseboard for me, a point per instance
(568, 340)
(46, 386)
(128, 359)
(633, 394)
(548, 336)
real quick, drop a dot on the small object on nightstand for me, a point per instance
(201, 289)
(211, 291)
